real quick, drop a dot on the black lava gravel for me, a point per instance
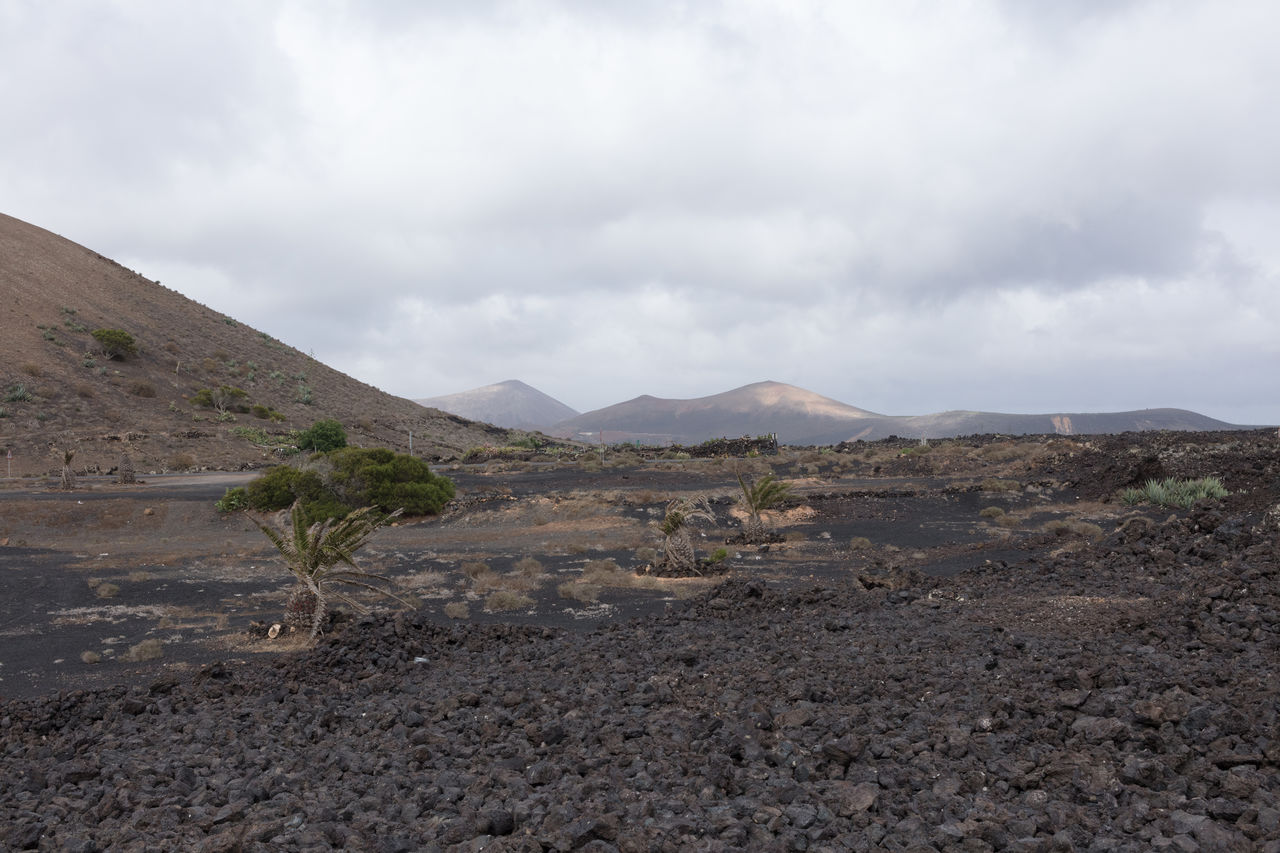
(1117, 697)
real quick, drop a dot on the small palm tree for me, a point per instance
(321, 556)
(677, 547)
(763, 494)
(68, 476)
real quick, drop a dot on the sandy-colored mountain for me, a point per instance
(802, 417)
(797, 416)
(59, 392)
(510, 404)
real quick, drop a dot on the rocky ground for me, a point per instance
(1115, 694)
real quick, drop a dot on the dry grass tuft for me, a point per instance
(146, 650)
(507, 599)
(587, 593)
(107, 590)
(992, 512)
(529, 566)
(1073, 527)
(607, 573)
(859, 543)
(457, 610)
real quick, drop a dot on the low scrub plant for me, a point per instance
(507, 599)
(1172, 492)
(17, 394)
(1073, 527)
(224, 398)
(115, 343)
(233, 500)
(587, 593)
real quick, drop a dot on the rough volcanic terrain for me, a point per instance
(898, 673)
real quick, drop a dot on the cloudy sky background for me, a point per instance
(910, 207)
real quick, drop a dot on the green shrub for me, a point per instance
(323, 436)
(273, 490)
(233, 500)
(354, 477)
(115, 343)
(379, 477)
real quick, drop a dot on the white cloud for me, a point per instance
(982, 205)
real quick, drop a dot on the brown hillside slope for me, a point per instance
(59, 392)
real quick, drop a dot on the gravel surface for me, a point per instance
(1123, 697)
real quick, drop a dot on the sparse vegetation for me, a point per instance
(1172, 492)
(142, 388)
(115, 343)
(992, 512)
(457, 610)
(321, 556)
(992, 484)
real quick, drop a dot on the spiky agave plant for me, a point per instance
(677, 547)
(322, 556)
(758, 496)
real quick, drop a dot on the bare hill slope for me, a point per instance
(59, 392)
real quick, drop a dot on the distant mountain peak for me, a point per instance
(511, 404)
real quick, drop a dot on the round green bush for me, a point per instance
(323, 436)
(115, 343)
(273, 490)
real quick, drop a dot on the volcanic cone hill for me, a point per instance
(59, 391)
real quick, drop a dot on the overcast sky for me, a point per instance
(910, 207)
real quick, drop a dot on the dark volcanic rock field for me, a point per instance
(1123, 697)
